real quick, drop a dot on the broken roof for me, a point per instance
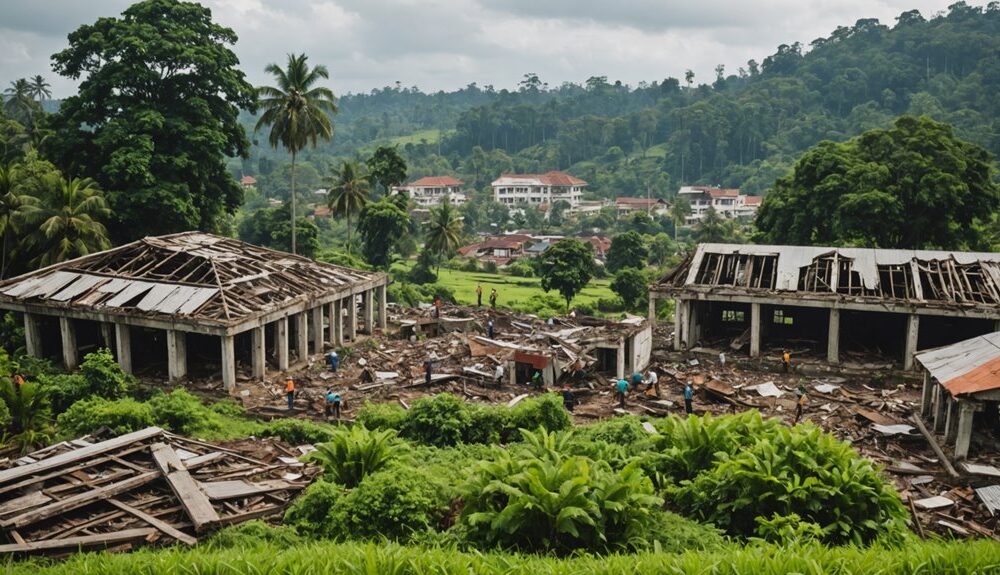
(190, 277)
(969, 366)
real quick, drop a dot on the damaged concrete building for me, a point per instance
(854, 300)
(159, 300)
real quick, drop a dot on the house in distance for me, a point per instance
(433, 190)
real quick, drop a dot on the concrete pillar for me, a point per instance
(302, 336)
(950, 421)
(281, 337)
(679, 307)
(833, 337)
(912, 332)
(369, 311)
(651, 315)
(620, 360)
(176, 354)
(963, 435)
(352, 317)
(317, 329)
(925, 395)
(383, 300)
(67, 329)
(258, 363)
(337, 322)
(32, 335)
(331, 326)
(107, 335)
(940, 406)
(228, 363)
(123, 346)
(694, 324)
(755, 330)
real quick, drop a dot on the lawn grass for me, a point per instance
(431, 136)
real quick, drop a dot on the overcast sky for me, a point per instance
(446, 44)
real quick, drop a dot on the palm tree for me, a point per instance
(296, 110)
(71, 226)
(444, 231)
(40, 88)
(19, 104)
(348, 194)
(679, 212)
(15, 208)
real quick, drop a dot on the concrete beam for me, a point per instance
(940, 407)
(337, 320)
(228, 363)
(258, 344)
(352, 317)
(651, 313)
(281, 343)
(369, 312)
(755, 330)
(123, 346)
(176, 354)
(693, 333)
(912, 334)
(620, 360)
(963, 435)
(317, 329)
(204, 327)
(833, 337)
(331, 325)
(33, 335)
(383, 301)
(302, 336)
(67, 331)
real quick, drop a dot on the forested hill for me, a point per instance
(739, 129)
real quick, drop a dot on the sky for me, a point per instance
(447, 44)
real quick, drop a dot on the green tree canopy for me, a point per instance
(911, 186)
(348, 193)
(631, 285)
(271, 227)
(69, 225)
(155, 116)
(444, 231)
(381, 224)
(627, 251)
(386, 167)
(567, 267)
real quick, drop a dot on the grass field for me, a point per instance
(431, 136)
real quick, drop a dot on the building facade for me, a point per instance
(652, 206)
(432, 191)
(520, 190)
(729, 203)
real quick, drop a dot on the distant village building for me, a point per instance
(728, 203)
(518, 190)
(653, 206)
(506, 248)
(248, 181)
(432, 191)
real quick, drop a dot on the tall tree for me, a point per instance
(679, 211)
(711, 228)
(386, 167)
(444, 231)
(15, 208)
(567, 267)
(70, 225)
(297, 110)
(40, 88)
(631, 285)
(19, 104)
(348, 194)
(627, 251)
(156, 116)
(381, 225)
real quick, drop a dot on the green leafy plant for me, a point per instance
(30, 414)
(351, 455)
(120, 416)
(440, 420)
(298, 431)
(382, 416)
(182, 412)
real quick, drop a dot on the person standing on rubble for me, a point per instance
(636, 380)
(437, 307)
(290, 391)
(620, 388)
(536, 379)
(479, 295)
(493, 298)
(654, 382)
(334, 360)
(786, 360)
(498, 375)
(489, 328)
(688, 398)
(568, 400)
(722, 359)
(427, 372)
(800, 403)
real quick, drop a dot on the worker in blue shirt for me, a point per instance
(622, 387)
(688, 397)
(636, 380)
(334, 359)
(332, 404)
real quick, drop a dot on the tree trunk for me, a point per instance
(293, 203)
(3, 266)
(348, 232)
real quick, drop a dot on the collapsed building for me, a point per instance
(843, 299)
(157, 300)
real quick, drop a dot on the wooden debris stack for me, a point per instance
(143, 487)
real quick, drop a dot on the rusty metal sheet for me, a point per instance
(990, 496)
(15, 290)
(176, 299)
(968, 366)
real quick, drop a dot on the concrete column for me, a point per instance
(620, 360)
(302, 336)
(352, 317)
(258, 363)
(331, 326)
(337, 322)
(963, 436)
(107, 335)
(755, 330)
(940, 406)
(281, 337)
(651, 315)
(32, 335)
(925, 395)
(383, 300)
(833, 337)
(679, 307)
(950, 421)
(694, 324)
(67, 330)
(123, 346)
(369, 317)
(317, 328)
(228, 363)
(176, 354)
(912, 332)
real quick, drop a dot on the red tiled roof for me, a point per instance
(437, 181)
(469, 249)
(720, 193)
(753, 200)
(643, 202)
(322, 211)
(505, 242)
(601, 244)
(551, 178)
(248, 181)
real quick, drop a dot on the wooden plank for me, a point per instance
(82, 284)
(236, 489)
(80, 499)
(934, 445)
(24, 502)
(163, 526)
(83, 541)
(194, 500)
(202, 460)
(81, 454)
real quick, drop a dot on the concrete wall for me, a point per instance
(642, 348)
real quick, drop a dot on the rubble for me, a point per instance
(144, 487)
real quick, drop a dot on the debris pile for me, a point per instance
(142, 487)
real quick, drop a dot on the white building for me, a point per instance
(728, 203)
(548, 188)
(431, 191)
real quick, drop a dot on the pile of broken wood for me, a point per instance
(143, 487)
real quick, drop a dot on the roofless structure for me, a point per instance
(159, 297)
(894, 301)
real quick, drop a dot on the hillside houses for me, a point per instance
(519, 190)
(432, 190)
(729, 203)
(506, 248)
(625, 207)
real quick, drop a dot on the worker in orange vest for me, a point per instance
(290, 391)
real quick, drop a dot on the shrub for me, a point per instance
(627, 431)
(403, 293)
(30, 414)
(439, 420)
(396, 503)
(4, 415)
(490, 267)
(382, 416)
(182, 412)
(254, 534)
(318, 511)
(64, 389)
(521, 268)
(298, 431)
(487, 424)
(119, 415)
(545, 411)
(345, 259)
(104, 376)
(610, 304)
(228, 408)
(469, 265)
(351, 455)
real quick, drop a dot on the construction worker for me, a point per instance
(636, 380)
(479, 295)
(654, 382)
(498, 375)
(722, 359)
(688, 398)
(332, 404)
(437, 307)
(427, 372)
(334, 359)
(489, 328)
(493, 298)
(568, 399)
(786, 360)
(536, 379)
(620, 388)
(290, 391)
(800, 403)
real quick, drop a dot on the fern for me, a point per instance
(353, 454)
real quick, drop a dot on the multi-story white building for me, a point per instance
(548, 188)
(431, 191)
(728, 203)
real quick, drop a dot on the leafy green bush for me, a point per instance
(64, 389)
(627, 431)
(182, 412)
(318, 512)
(340, 258)
(104, 376)
(298, 431)
(521, 268)
(382, 416)
(490, 267)
(398, 503)
(353, 454)
(440, 420)
(487, 424)
(4, 415)
(30, 415)
(544, 411)
(228, 408)
(255, 534)
(119, 415)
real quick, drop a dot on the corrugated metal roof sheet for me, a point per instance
(969, 366)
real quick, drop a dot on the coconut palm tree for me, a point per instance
(40, 88)
(348, 194)
(444, 231)
(70, 227)
(19, 104)
(296, 110)
(15, 208)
